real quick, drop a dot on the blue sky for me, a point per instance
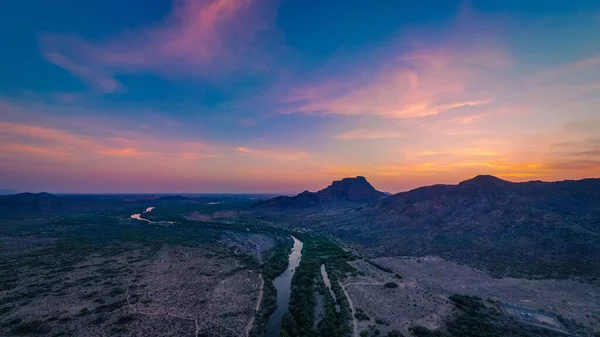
(282, 96)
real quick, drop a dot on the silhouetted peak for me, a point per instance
(173, 198)
(353, 189)
(28, 196)
(356, 189)
(485, 181)
(41, 194)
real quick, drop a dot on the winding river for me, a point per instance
(138, 216)
(283, 284)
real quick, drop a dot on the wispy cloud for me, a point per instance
(418, 76)
(272, 154)
(416, 86)
(22, 140)
(369, 134)
(197, 38)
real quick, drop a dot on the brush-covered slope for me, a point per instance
(534, 228)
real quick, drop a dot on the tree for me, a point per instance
(394, 333)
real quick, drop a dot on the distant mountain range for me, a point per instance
(347, 190)
(7, 191)
(539, 229)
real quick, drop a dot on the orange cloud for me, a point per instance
(125, 152)
(47, 134)
(22, 139)
(36, 150)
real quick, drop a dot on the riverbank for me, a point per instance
(300, 321)
(283, 284)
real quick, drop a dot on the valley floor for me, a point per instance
(421, 298)
(128, 291)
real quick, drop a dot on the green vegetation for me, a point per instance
(360, 315)
(274, 266)
(125, 319)
(31, 327)
(318, 250)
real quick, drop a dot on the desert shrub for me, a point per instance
(99, 320)
(382, 322)
(28, 327)
(4, 310)
(361, 316)
(465, 301)
(394, 333)
(125, 319)
(116, 291)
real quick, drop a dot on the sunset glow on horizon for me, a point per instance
(273, 96)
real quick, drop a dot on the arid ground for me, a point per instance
(422, 295)
(127, 291)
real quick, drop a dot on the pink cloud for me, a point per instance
(273, 154)
(196, 38)
(125, 152)
(592, 61)
(422, 73)
(369, 134)
(23, 140)
(418, 84)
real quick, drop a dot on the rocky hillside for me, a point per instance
(534, 228)
(347, 190)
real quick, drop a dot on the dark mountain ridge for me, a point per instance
(347, 190)
(534, 229)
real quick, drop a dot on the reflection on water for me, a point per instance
(138, 216)
(283, 284)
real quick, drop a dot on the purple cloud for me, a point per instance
(197, 38)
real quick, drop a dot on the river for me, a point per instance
(138, 216)
(283, 284)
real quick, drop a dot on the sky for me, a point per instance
(281, 96)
